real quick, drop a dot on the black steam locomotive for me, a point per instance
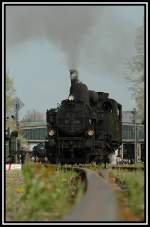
(86, 127)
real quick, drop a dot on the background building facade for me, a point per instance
(132, 136)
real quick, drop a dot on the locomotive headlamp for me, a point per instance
(51, 132)
(71, 98)
(90, 132)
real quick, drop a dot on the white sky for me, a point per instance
(41, 74)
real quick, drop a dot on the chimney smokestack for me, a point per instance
(73, 76)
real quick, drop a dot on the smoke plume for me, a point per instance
(100, 38)
(66, 27)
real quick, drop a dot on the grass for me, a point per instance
(92, 165)
(14, 186)
(132, 184)
(41, 194)
(137, 165)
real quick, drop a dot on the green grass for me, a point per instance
(137, 165)
(132, 184)
(14, 186)
(41, 194)
(92, 166)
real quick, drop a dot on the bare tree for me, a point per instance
(33, 116)
(10, 93)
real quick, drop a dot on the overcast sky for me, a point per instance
(44, 42)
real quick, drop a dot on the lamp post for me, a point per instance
(135, 135)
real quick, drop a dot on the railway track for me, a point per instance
(99, 202)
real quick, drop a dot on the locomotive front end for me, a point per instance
(72, 118)
(75, 133)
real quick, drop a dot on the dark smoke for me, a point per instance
(97, 38)
(66, 27)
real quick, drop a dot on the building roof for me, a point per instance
(33, 123)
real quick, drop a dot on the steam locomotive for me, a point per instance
(85, 128)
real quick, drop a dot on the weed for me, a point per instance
(132, 184)
(45, 194)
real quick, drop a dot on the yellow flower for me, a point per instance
(20, 190)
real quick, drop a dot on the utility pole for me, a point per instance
(135, 135)
(17, 126)
(18, 105)
(17, 116)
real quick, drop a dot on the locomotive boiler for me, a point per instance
(86, 127)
